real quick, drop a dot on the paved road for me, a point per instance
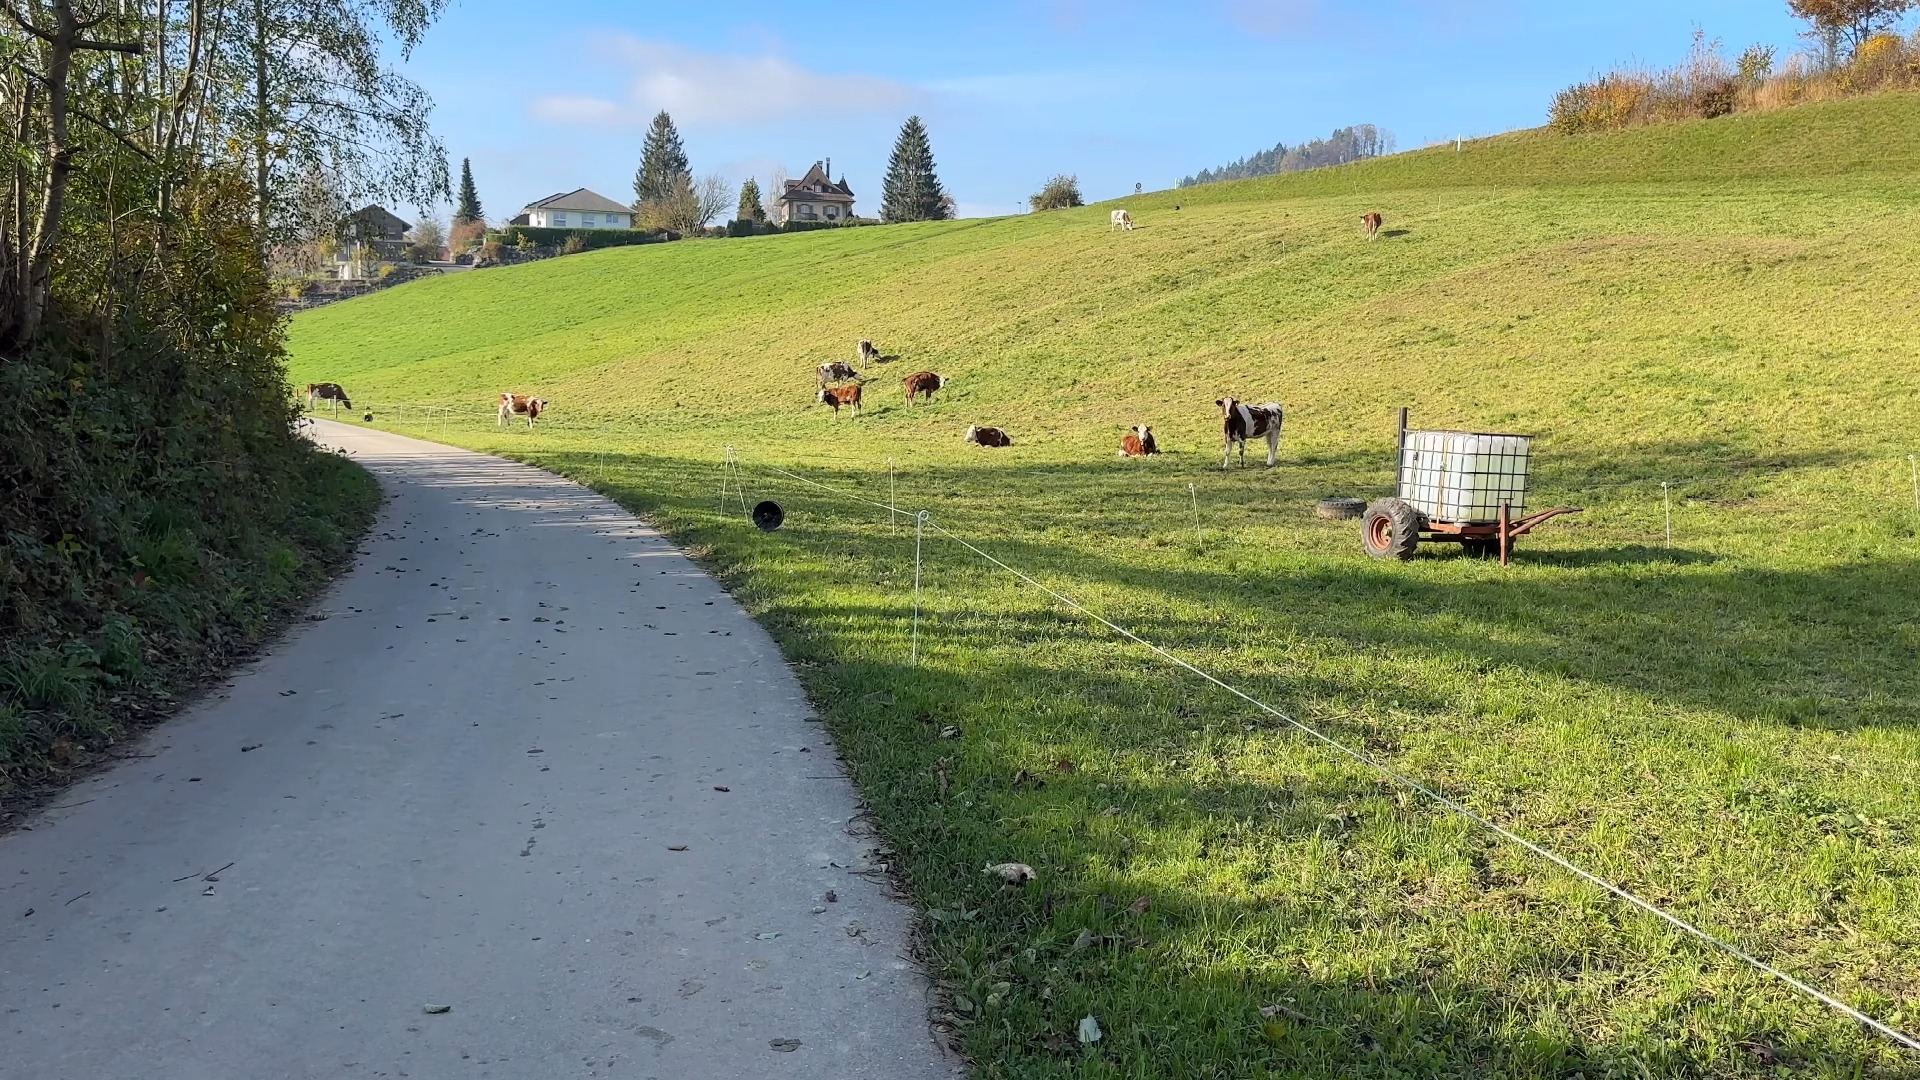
(469, 785)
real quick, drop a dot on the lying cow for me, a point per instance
(1121, 220)
(987, 436)
(512, 405)
(868, 354)
(838, 371)
(1242, 421)
(329, 392)
(1139, 442)
(837, 396)
(923, 382)
(1372, 221)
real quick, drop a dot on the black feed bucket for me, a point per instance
(768, 515)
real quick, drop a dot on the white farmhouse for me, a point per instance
(578, 209)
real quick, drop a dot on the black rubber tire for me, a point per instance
(1390, 529)
(1338, 509)
(1483, 549)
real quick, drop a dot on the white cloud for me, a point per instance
(703, 89)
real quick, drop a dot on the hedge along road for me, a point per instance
(532, 764)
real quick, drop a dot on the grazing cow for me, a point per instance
(1139, 442)
(988, 436)
(1121, 220)
(512, 405)
(838, 371)
(837, 396)
(329, 392)
(868, 354)
(923, 382)
(1244, 421)
(1373, 222)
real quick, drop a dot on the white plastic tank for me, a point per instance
(1465, 475)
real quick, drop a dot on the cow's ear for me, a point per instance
(1220, 403)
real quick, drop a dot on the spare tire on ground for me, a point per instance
(1339, 509)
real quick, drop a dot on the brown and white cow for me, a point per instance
(868, 354)
(837, 396)
(1139, 442)
(1120, 220)
(329, 392)
(987, 436)
(838, 371)
(1373, 222)
(1241, 421)
(512, 405)
(923, 382)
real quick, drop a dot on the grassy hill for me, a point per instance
(1728, 726)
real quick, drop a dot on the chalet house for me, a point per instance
(371, 234)
(814, 197)
(577, 209)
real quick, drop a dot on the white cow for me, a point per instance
(1121, 220)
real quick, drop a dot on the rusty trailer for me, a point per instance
(1457, 487)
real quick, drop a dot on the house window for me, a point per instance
(559, 221)
(832, 213)
(806, 209)
(586, 221)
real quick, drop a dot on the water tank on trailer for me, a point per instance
(1465, 475)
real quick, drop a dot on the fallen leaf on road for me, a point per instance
(436, 1010)
(767, 937)
(784, 1046)
(676, 847)
(1089, 1030)
(255, 746)
(863, 975)
(831, 896)
(208, 891)
(717, 787)
(1013, 873)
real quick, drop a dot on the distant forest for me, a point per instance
(1356, 143)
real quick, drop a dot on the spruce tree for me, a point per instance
(468, 209)
(912, 191)
(663, 163)
(750, 208)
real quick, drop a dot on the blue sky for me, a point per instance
(552, 96)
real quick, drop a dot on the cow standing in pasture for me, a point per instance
(1373, 222)
(329, 392)
(1121, 220)
(527, 405)
(1139, 442)
(1241, 421)
(923, 382)
(987, 436)
(868, 353)
(837, 396)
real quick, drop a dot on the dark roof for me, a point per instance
(802, 190)
(580, 199)
(521, 219)
(379, 217)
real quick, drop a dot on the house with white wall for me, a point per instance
(577, 209)
(814, 197)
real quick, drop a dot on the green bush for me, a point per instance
(590, 239)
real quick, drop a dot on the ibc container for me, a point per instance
(1465, 475)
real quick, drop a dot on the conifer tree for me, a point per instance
(750, 208)
(912, 191)
(468, 209)
(663, 163)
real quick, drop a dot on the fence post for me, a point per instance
(726, 470)
(1194, 494)
(919, 529)
(1913, 462)
(893, 489)
(1666, 496)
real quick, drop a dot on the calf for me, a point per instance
(1243, 421)
(1121, 220)
(923, 382)
(329, 392)
(1373, 222)
(837, 396)
(838, 371)
(512, 405)
(868, 354)
(1139, 442)
(988, 436)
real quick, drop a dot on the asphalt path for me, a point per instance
(525, 762)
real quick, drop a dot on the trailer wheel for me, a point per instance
(1482, 549)
(1390, 529)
